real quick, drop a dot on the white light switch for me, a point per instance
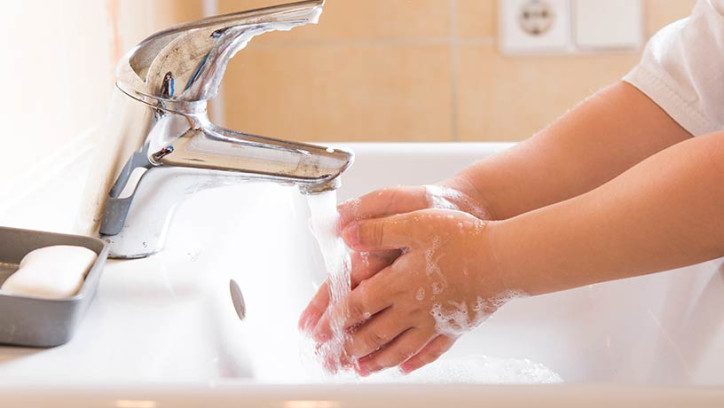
(607, 24)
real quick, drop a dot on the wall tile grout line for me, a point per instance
(382, 42)
(454, 70)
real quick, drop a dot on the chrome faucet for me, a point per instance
(164, 85)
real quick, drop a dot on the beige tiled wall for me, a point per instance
(409, 70)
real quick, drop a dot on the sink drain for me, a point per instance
(237, 298)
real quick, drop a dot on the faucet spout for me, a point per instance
(211, 147)
(164, 85)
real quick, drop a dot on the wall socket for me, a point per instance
(529, 27)
(536, 17)
(534, 26)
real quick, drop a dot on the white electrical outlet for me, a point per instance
(534, 26)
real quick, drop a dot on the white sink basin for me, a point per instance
(163, 332)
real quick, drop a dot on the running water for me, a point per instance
(323, 223)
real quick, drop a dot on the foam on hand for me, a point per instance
(456, 318)
(54, 272)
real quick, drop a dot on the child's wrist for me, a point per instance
(469, 198)
(495, 262)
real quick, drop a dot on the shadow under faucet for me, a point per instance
(165, 83)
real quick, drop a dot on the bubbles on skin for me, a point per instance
(480, 305)
(452, 322)
(456, 319)
(353, 204)
(420, 296)
(506, 297)
(433, 270)
(365, 258)
(430, 263)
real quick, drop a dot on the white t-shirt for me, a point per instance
(682, 69)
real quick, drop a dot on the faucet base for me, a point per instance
(154, 205)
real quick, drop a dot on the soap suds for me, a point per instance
(453, 320)
(353, 203)
(506, 297)
(480, 305)
(456, 318)
(467, 369)
(475, 369)
(420, 296)
(365, 256)
(430, 263)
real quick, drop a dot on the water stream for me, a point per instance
(323, 223)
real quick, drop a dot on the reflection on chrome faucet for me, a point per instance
(165, 83)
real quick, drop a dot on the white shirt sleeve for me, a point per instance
(682, 69)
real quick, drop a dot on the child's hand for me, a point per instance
(452, 195)
(408, 314)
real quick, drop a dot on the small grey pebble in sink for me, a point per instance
(237, 299)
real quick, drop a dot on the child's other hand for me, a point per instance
(409, 313)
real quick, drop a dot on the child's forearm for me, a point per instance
(595, 142)
(664, 213)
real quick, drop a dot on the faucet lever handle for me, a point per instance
(186, 63)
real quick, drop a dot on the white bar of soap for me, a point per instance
(51, 272)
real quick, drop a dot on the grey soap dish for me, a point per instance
(39, 322)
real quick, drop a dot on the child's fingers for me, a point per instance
(382, 203)
(363, 266)
(400, 350)
(431, 352)
(316, 307)
(366, 300)
(376, 333)
(382, 234)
